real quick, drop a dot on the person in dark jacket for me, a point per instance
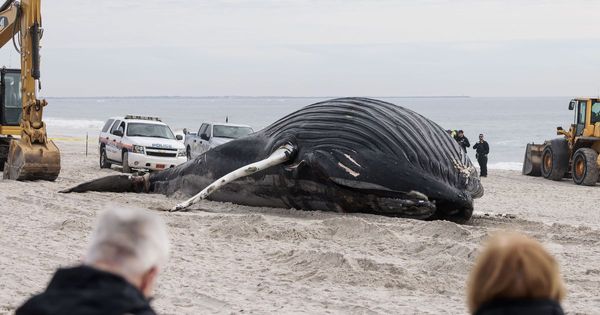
(521, 307)
(127, 249)
(515, 275)
(462, 140)
(482, 149)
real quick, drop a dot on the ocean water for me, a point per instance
(509, 123)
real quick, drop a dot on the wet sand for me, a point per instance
(234, 259)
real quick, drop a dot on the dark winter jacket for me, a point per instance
(520, 307)
(87, 291)
(463, 142)
(482, 148)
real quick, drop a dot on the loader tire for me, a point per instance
(555, 159)
(585, 167)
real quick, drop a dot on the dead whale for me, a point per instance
(344, 155)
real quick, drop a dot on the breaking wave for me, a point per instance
(79, 124)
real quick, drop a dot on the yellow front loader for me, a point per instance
(25, 151)
(576, 153)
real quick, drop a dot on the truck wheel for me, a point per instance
(126, 168)
(555, 159)
(188, 153)
(104, 163)
(585, 169)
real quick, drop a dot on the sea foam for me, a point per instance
(77, 124)
(511, 166)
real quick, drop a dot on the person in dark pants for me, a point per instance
(462, 140)
(128, 247)
(483, 149)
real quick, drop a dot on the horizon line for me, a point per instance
(262, 96)
(294, 97)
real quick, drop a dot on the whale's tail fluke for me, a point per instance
(113, 183)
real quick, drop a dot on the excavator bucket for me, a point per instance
(532, 165)
(27, 161)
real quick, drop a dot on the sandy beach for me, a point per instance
(228, 258)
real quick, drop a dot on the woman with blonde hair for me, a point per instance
(514, 274)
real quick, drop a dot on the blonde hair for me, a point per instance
(133, 240)
(514, 266)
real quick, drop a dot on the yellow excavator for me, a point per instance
(575, 154)
(25, 151)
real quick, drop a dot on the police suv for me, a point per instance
(139, 142)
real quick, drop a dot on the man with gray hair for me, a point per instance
(128, 248)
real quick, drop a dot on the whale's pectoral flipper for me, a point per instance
(279, 156)
(112, 183)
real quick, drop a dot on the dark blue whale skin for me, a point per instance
(352, 155)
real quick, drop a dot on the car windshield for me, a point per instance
(232, 132)
(149, 130)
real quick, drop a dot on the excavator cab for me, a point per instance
(573, 155)
(10, 110)
(10, 97)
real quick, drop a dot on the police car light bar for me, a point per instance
(142, 117)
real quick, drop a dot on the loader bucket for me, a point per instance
(28, 161)
(532, 165)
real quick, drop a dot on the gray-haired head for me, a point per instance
(131, 241)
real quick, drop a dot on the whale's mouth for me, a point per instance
(384, 201)
(406, 206)
(412, 204)
(414, 208)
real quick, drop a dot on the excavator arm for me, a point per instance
(33, 156)
(8, 17)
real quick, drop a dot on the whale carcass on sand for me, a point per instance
(343, 155)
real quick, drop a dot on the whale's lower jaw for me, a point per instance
(312, 195)
(408, 208)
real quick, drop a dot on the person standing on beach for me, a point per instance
(462, 140)
(128, 247)
(482, 149)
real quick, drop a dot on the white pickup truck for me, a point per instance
(211, 135)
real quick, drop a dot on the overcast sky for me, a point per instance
(319, 48)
